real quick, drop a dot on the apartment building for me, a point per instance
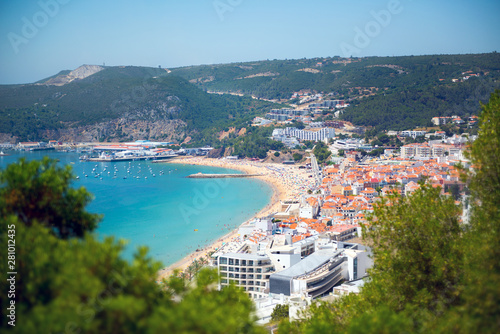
(312, 135)
(249, 271)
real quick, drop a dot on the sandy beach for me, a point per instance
(286, 181)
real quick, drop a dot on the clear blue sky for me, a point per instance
(191, 32)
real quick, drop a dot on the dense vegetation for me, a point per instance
(255, 144)
(411, 106)
(321, 152)
(397, 93)
(274, 79)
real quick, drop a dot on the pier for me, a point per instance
(220, 176)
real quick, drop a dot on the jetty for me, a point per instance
(220, 176)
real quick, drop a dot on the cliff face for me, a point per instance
(80, 73)
(120, 130)
(8, 138)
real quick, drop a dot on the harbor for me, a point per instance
(108, 158)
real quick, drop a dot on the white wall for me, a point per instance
(286, 260)
(306, 212)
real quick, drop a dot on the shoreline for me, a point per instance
(281, 192)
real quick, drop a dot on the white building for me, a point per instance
(248, 271)
(290, 136)
(313, 277)
(358, 262)
(413, 134)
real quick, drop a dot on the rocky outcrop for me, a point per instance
(228, 152)
(80, 73)
(120, 130)
(8, 138)
(271, 158)
(216, 153)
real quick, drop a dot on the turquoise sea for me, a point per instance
(157, 206)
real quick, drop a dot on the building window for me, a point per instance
(223, 260)
(355, 274)
(231, 262)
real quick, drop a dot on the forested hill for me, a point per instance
(108, 100)
(127, 103)
(387, 92)
(279, 79)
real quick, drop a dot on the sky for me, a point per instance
(42, 37)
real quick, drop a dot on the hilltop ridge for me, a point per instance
(384, 93)
(80, 73)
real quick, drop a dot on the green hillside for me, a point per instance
(394, 93)
(133, 93)
(387, 92)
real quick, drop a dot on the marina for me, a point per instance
(111, 158)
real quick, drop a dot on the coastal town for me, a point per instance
(250, 167)
(307, 244)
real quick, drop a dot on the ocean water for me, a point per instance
(170, 214)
